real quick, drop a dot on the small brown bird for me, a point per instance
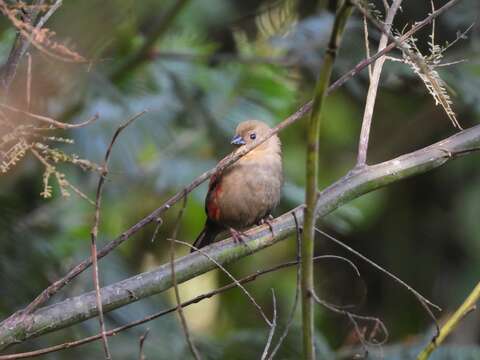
(245, 193)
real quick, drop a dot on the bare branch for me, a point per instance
(372, 89)
(117, 330)
(183, 320)
(419, 64)
(418, 26)
(353, 185)
(426, 304)
(353, 319)
(297, 290)
(48, 120)
(221, 267)
(94, 231)
(273, 326)
(367, 46)
(19, 47)
(466, 308)
(155, 215)
(141, 343)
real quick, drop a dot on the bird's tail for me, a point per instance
(207, 236)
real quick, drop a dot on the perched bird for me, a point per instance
(245, 193)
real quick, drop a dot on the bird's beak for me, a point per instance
(238, 140)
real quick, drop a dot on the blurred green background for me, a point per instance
(213, 64)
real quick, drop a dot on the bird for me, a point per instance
(245, 193)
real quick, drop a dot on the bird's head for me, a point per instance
(248, 131)
(251, 130)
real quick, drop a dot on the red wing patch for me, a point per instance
(211, 204)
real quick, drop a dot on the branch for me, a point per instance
(9, 69)
(419, 64)
(155, 215)
(181, 315)
(94, 231)
(351, 186)
(466, 308)
(312, 166)
(22, 43)
(418, 26)
(373, 87)
(195, 300)
(51, 122)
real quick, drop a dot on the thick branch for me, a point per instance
(79, 268)
(349, 187)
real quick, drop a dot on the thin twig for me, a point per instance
(221, 267)
(40, 38)
(29, 80)
(141, 355)
(94, 231)
(426, 304)
(353, 317)
(298, 234)
(373, 87)
(43, 20)
(272, 327)
(183, 320)
(415, 28)
(420, 66)
(49, 120)
(367, 46)
(96, 282)
(9, 69)
(466, 308)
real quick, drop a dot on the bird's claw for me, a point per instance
(238, 236)
(268, 220)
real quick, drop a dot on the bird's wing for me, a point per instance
(211, 201)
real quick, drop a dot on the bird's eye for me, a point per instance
(253, 136)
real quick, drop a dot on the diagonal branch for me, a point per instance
(351, 186)
(197, 299)
(155, 215)
(466, 308)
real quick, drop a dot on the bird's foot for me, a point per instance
(238, 236)
(268, 220)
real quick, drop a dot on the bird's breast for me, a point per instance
(249, 191)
